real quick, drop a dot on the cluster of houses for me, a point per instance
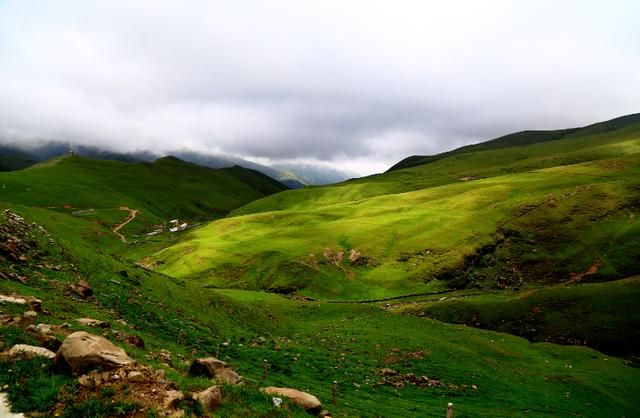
(174, 226)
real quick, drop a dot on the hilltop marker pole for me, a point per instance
(449, 410)
(334, 393)
(264, 370)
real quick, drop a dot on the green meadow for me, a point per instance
(545, 209)
(502, 279)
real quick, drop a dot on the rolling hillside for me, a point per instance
(498, 218)
(346, 283)
(524, 138)
(105, 192)
(386, 364)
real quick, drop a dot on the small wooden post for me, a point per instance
(449, 410)
(334, 393)
(218, 351)
(264, 370)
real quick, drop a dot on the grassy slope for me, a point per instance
(424, 223)
(523, 138)
(163, 190)
(601, 315)
(308, 346)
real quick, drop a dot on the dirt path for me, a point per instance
(116, 229)
(576, 277)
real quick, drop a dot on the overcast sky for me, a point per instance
(358, 84)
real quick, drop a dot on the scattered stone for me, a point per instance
(228, 376)
(49, 342)
(306, 400)
(172, 398)
(354, 256)
(208, 366)
(216, 369)
(387, 372)
(86, 381)
(30, 315)
(94, 323)
(397, 380)
(11, 299)
(36, 304)
(333, 257)
(210, 397)
(136, 377)
(83, 289)
(23, 351)
(165, 357)
(134, 340)
(43, 329)
(82, 351)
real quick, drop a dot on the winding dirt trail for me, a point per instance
(116, 229)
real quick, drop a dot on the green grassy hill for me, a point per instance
(539, 240)
(523, 138)
(96, 190)
(374, 355)
(507, 217)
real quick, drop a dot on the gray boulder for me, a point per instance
(82, 351)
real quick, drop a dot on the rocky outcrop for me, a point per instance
(207, 366)
(93, 323)
(228, 376)
(82, 351)
(83, 289)
(23, 351)
(136, 377)
(43, 329)
(210, 398)
(309, 402)
(171, 399)
(12, 300)
(216, 369)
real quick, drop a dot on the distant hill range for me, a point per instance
(522, 138)
(293, 175)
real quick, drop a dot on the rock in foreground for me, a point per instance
(23, 351)
(217, 369)
(82, 351)
(306, 400)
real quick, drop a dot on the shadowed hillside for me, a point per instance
(523, 138)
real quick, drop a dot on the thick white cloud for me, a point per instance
(359, 83)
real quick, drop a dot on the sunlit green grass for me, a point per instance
(435, 228)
